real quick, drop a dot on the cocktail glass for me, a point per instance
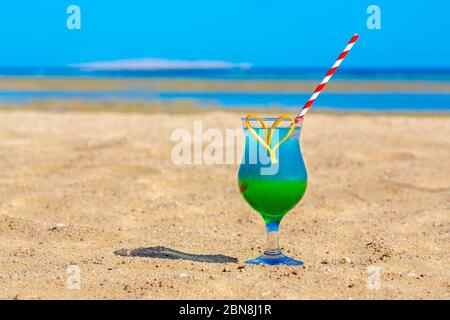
(272, 177)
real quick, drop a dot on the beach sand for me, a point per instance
(98, 192)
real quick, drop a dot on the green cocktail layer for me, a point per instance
(272, 198)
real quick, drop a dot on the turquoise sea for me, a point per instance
(349, 101)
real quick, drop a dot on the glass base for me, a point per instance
(275, 260)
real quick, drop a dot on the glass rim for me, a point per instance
(269, 120)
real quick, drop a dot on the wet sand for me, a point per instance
(99, 191)
(217, 85)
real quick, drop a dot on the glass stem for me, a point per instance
(272, 248)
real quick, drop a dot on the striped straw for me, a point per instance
(327, 78)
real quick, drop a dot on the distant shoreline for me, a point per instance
(221, 70)
(178, 95)
(220, 85)
(188, 107)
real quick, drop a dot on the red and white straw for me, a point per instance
(327, 78)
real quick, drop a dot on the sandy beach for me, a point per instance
(97, 192)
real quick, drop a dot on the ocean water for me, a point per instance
(255, 73)
(414, 102)
(356, 101)
(405, 102)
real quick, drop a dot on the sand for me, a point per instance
(98, 193)
(217, 85)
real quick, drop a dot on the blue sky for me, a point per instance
(263, 32)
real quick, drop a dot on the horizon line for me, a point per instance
(252, 68)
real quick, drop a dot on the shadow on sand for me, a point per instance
(167, 253)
